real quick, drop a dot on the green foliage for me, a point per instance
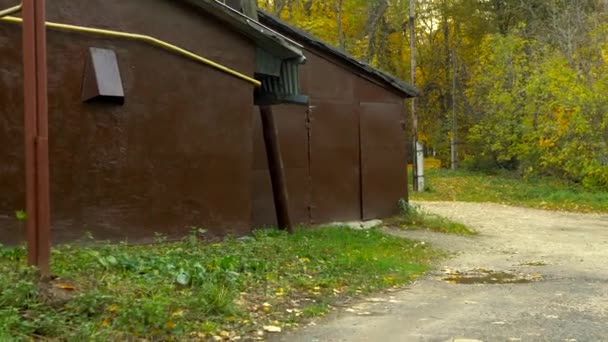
(315, 310)
(509, 188)
(20, 215)
(539, 116)
(195, 288)
(495, 87)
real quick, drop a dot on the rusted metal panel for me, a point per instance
(346, 181)
(357, 148)
(367, 91)
(334, 162)
(263, 212)
(322, 174)
(326, 81)
(176, 155)
(293, 137)
(383, 159)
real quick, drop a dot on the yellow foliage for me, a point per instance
(546, 142)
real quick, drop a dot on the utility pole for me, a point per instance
(36, 135)
(454, 141)
(417, 163)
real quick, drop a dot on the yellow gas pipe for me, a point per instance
(11, 10)
(5, 16)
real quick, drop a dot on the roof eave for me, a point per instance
(396, 84)
(265, 38)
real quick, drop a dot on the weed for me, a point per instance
(160, 238)
(18, 253)
(408, 210)
(413, 217)
(315, 310)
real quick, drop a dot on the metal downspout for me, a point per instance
(35, 129)
(11, 10)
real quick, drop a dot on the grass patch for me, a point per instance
(412, 217)
(504, 188)
(315, 310)
(197, 289)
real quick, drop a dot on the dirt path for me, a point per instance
(559, 262)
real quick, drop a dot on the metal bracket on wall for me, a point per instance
(309, 118)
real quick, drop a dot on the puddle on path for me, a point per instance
(483, 276)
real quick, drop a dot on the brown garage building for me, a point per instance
(145, 139)
(142, 139)
(345, 154)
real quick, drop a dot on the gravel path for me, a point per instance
(530, 275)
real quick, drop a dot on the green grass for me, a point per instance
(504, 188)
(197, 289)
(412, 217)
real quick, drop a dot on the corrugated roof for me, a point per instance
(363, 68)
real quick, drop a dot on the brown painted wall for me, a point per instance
(177, 154)
(351, 164)
(294, 147)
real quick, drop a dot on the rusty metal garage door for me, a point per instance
(383, 159)
(334, 162)
(293, 138)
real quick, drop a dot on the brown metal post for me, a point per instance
(275, 166)
(36, 135)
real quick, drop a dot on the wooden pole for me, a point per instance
(36, 135)
(275, 166)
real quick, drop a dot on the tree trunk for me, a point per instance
(370, 28)
(339, 24)
(454, 117)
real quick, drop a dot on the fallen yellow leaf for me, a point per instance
(178, 313)
(66, 287)
(272, 328)
(105, 322)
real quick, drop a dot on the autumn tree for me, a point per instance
(529, 77)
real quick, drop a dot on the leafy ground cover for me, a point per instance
(198, 290)
(505, 188)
